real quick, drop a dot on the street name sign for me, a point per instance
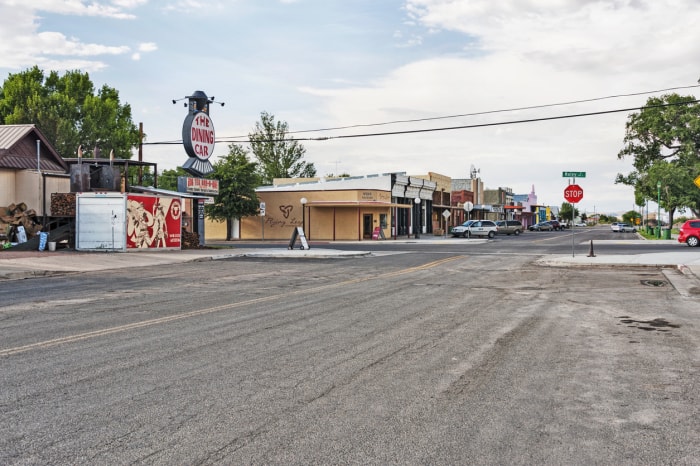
(573, 174)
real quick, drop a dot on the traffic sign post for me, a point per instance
(573, 194)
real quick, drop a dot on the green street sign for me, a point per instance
(573, 174)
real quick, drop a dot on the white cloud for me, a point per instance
(76, 7)
(22, 44)
(148, 47)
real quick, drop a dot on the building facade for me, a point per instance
(353, 208)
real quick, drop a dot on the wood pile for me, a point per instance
(14, 216)
(190, 240)
(63, 204)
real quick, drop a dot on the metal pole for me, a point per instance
(658, 209)
(572, 230)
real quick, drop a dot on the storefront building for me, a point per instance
(352, 209)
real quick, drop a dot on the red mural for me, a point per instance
(153, 222)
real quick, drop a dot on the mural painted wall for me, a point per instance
(153, 222)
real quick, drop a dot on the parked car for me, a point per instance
(542, 226)
(624, 228)
(556, 225)
(509, 227)
(580, 224)
(461, 230)
(482, 228)
(689, 233)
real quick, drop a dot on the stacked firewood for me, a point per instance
(15, 216)
(63, 204)
(190, 240)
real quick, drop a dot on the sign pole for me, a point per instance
(573, 229)
(573, 207)
(573, 194)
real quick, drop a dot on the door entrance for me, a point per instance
(367, 226)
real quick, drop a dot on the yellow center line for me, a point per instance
(201, 312)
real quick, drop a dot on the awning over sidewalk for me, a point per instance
(357, 204)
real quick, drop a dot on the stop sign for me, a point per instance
(573, 193)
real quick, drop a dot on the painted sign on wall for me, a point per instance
(153, 222)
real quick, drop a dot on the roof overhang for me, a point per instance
(356, 204)
(166, 192)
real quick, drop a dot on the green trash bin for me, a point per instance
(666, 233)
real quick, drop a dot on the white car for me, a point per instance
(482, 228)
(463, 229)
(625, 228)
(580, 224)
(622, 228)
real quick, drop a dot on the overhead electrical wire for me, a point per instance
(235, 139)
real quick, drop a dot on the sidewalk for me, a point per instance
(28, 264)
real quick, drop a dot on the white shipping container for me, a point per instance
(100, 221)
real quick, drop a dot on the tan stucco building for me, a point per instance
(353, 208)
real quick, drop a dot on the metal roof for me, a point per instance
(167, 192)
(15, 155)
(12, 134)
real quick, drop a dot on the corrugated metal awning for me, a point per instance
(356, 204)
(166, 192)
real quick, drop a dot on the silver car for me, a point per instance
(625, 227)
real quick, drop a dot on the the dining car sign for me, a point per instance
(198, 135)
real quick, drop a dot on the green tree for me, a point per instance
(168, 178)
(664, 140)
(565, 211)
(631, 217)
(69, 112)
(237, 182)
(278, 156)
(677, 188)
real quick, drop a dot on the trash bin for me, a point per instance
(666, 233)
(657, 232)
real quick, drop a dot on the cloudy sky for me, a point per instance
(363, 67)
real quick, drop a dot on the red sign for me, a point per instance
(202, 185)
(573, 193)
(153, 222)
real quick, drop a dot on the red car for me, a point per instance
(690, 233)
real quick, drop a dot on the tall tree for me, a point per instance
(69, 112)
(237, 182)
(565, 211)
(277, 154)
(168, 178)
(664, 140)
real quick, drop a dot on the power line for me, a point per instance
(235, 139)
(489, 112)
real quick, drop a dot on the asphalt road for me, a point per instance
(577, 242)
(404, 357)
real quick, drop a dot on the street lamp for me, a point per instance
(417, 201)
(303, 201)
(658, 209)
